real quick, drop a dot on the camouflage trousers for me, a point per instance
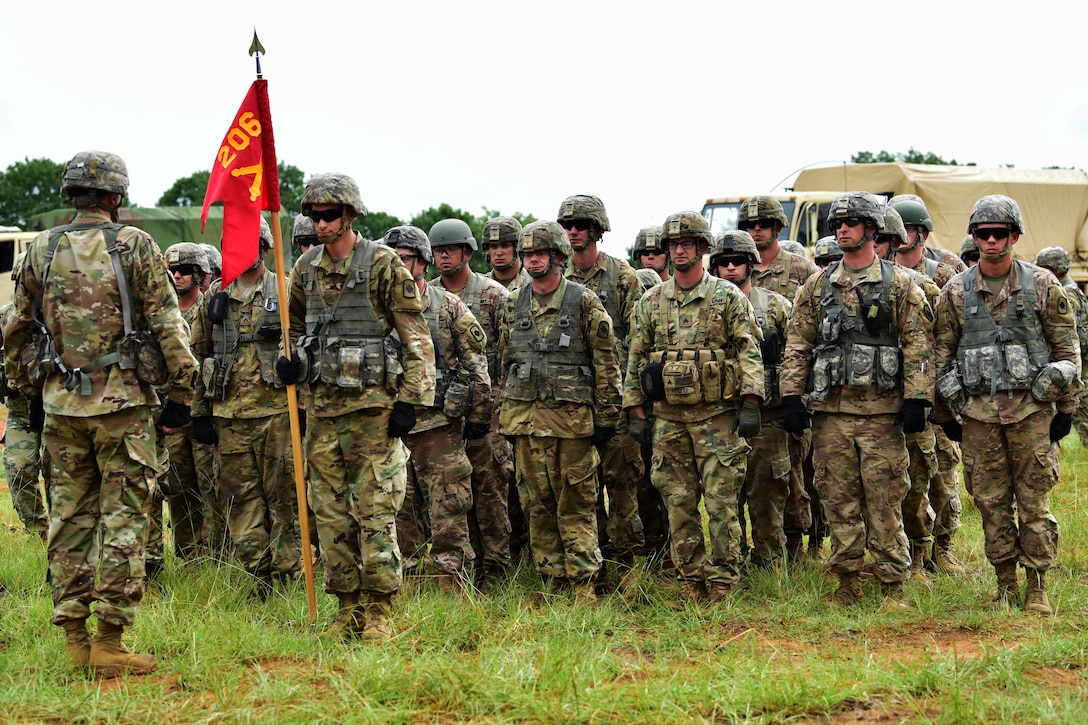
(358, 476)
(619, 527)
(651, 508)
(1010, 471)
(182, 492)
(439, 470)
(557, 478)
(489, 518)
(861, 471)
(797, 518)
(944, 489)
(701, 461)
(918, 515)
(1080, 415)
(106, 469)
(765, 491)
(257, 482)
(23, 464)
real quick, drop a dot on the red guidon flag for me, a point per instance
(245, 178)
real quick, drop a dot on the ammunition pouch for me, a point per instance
(950, 388)
(456, 398)
(693, 376)
(142, 352)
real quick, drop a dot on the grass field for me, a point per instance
(778, 654)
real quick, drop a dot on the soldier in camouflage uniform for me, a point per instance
(918, 223)
(695, 350)
(826, 251)
(650, 253)
(241, 409)
(303, 236)
(616, 284)
(22, 445)
(857, 345)
(1003, 372)
(92, 387)
(453, 243)
(767, 480)
(1056, 260)
(560, 399)
(438, 466)
(969, 251)
(346, 295)
(500, 244)
(784, 272)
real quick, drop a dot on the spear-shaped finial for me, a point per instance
(255, 48)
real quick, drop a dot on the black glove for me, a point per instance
(1060, 426)
(748, 420)
(401, 420)
(953, 429)
(912, 415)
(475, 431)
(640, 428)
(795, 417)
(289, 370)
(174, 415)
(204, 430)
(602, 434)
(37, 414)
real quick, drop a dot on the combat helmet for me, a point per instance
(333, 188)
(97, 170)
(793, 247)
(826, 251)
(584, 206)
(304, 232)
(449, 232)
(648, 239)
(544, 235)
(647, 278)
(407, 236)
(996, 209)
(686, 225)
(266, 242)
(500, 229)
(859, 204)
(188, 253)
(895, 226)
(968, 245)
(1055, 259)
(912, 210)
(215, 258)
(762, 206)
(734, 241)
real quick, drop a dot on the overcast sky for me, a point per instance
(515, 106)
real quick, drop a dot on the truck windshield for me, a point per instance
(723, 217)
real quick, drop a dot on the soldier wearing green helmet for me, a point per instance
(919, 226)
(695, 354)
(859, 347)
(1003, 324)
(559, 400)
(1056, 260)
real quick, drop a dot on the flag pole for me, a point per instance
(255, 49)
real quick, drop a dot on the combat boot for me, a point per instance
(815, 543)
(79, 642)
(692, 590)
(350, 619)
(893, 596)
(1006, 584)
(849, 591)
(379, 618)
(585, 592)
(1036, 600)
(448, 584)
(718, 593)
(625, 573)
(110, 658)
(919, 555)
(943, 558)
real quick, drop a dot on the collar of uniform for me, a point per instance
(672, 290)
(91, 216)
(1012, 284)
(556, 300)
(235, 289)
(325, 261)
(872, 274)
(593, 270)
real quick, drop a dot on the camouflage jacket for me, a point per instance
(667, 318)
(249, 392)
(785, 274)
(397, 304)
(560, 419)
(619, 302)
(461, 340)
(519, 279)
(1079, 302)
(911, 316)
(945, 257)
(772, 312)
(1053, 315)
(940, 276)
(81, 307)
(486, 300)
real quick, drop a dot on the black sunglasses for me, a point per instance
(1000, 234)
(733, 259)
(185, 270)
(581, 225)
(329, 215)
(760, 223)
(852, 221)
(886, 239)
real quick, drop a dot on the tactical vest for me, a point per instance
(760, 300)
(1004, 357)
(559, 368)
(849, 352)
(472, 296)
(265, 338)
(346, 341)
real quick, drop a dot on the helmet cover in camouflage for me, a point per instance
(762, 206)
(1053, 381)
(647, 278)
(996, 209)
(304, 231)
(266, 240)
(913, 212)
(793, 247)
(860, 204)
(648, 239)
(408, 237)
(215, 258)
(98, 170)
(584, 206)
(826, 249)
(17, 267)
(333, 188)
(894, 226)
(968, 245)
(544, 235)
(449, 232)
(735, 241)
(1055, 259)
(188, 253)
(500, 229)
(686, 225)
